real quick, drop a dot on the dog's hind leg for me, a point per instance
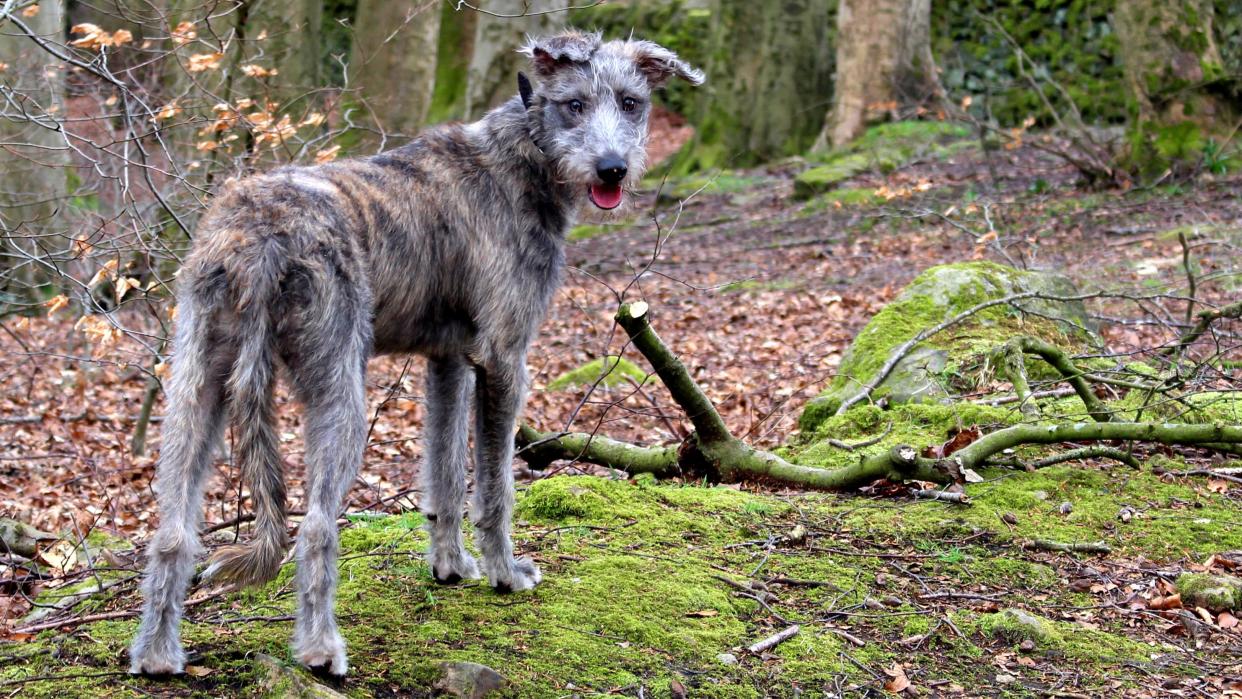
(444, 468)
(499, 392)
(329, 376)
(191, 428)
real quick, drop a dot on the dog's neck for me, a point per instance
(515, 150)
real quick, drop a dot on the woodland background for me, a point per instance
(972, 263)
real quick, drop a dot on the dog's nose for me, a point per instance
(611, 169)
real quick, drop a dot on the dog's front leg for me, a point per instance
(443, 473)
(500, 387)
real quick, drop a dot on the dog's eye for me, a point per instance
(628, 104)
(575, 106)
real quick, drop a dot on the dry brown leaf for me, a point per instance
(898, 682)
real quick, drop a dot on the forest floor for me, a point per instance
(759, 292)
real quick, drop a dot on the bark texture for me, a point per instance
(769, 82)
(394, 61)
(500, 29)
(292, 45)
(1169, 54)
(884, 62)
(34, 154)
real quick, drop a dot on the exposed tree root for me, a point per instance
(712, 452)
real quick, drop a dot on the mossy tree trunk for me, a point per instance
(1172, 68)
(769, 81)
(34, 158)
(394, 61)
(884, 63)
(457, 28)
(500, 29)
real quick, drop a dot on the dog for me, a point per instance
(451, 247)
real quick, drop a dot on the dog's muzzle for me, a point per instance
(607, 193)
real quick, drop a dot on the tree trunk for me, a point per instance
(292, 45)
(769, 80)
(34, 156)
(500, 29)
(457, 28)
(1171, 61)
(884, 63)
(394, 61)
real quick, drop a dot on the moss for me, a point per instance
(587, 231)
(844, 197)
(916, 423)
(610, 371)
(1215, 593)
(631, 595)
(1015, 625)
(1090, 646)
(885, 147)
(820, 179)
(677, 189)
(762, 285)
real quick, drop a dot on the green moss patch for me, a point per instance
(883, 148)
(610, 371)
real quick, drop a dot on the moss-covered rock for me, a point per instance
(1215, 593)
(1015, 626)
(955, 359)
(609, 370)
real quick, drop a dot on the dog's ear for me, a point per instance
(550, 54)
(659, 64)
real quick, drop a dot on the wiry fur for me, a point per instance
(450, 247)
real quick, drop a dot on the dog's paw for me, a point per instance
(519, 574)
(152, 661)
(451, 567)
(324, 657)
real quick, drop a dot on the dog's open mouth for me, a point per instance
(606, 196)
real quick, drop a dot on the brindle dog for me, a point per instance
(450, 247)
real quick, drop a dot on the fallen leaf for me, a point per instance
(898, 681)
(197, 670)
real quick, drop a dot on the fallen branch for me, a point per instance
(942, 495)
(1223, 474)
(1062, 547)
(713, 453)
(1203, 322)
(774, 640)
(1011, 362)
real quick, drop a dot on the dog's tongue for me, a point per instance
(606, 196)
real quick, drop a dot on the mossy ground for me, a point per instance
(632, 597)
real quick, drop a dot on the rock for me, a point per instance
(279, 681)
(610, 371)
(21, 538)
(1215, 593)
(727, 659)
(1017, 626)
(949, 362)
(470, 681)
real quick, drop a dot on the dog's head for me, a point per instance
(590, 106)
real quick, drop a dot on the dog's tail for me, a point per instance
(251, 387)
